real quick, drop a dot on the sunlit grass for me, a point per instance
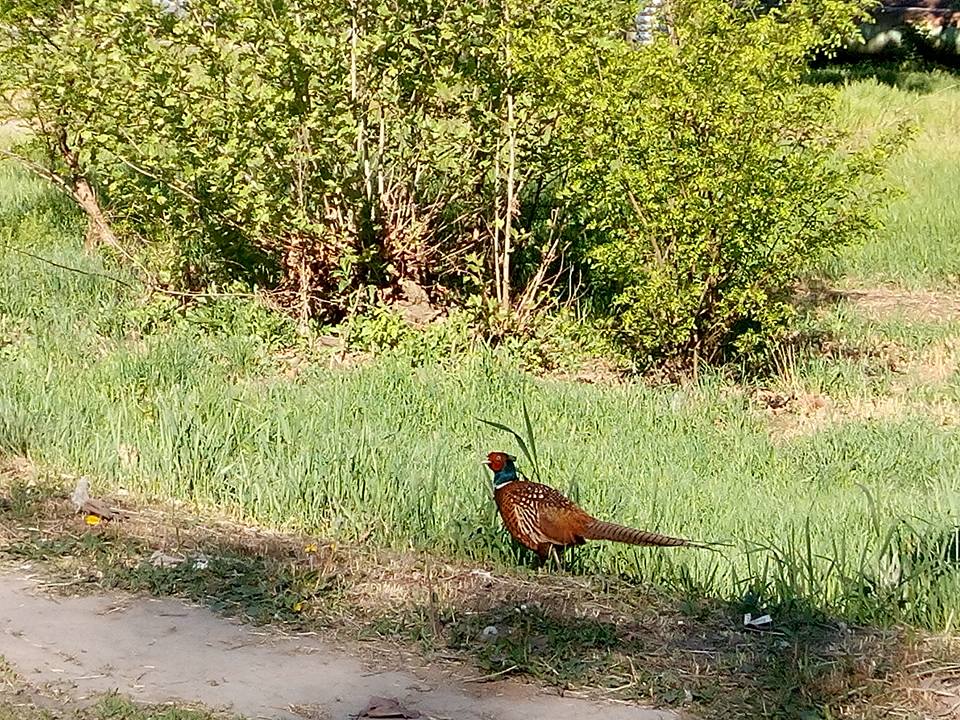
(389, 452)
(855, 515)
(920, 244)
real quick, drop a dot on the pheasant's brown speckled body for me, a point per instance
(540, 518)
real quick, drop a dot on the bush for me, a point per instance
(333, 150)
(712, 176)
(347, 153)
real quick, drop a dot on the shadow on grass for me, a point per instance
(699, 655)
(911, 72)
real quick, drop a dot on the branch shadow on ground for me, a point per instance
(700, 656)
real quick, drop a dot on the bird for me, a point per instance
(545, 521)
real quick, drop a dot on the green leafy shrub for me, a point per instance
(321, 148)
(711, 176)
(384, 330)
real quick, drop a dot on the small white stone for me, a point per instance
(489, 632)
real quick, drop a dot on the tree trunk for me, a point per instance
(99, 232)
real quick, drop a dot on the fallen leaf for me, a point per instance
(379, 707)
(93, 506)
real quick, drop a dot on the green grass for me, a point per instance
(93, 383)
(852, 517)
(920, 245)
(109, 708)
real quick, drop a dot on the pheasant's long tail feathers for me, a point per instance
(600, 530)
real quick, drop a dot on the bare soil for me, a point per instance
(163, 650)
(879, 303)
(884, 302)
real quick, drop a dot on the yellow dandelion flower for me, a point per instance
(311, 548)
(297, 606)
(91, 520)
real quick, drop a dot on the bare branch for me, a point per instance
(39, 170)
(55, 264)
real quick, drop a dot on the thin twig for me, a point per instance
(79, 271)
(148, 286)
(491, 676)
(173, 186)
(39, 170)
(200, 293)
(61, 184)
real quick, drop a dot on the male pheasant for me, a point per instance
(541, 518)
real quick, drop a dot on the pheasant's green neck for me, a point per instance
(506, 475)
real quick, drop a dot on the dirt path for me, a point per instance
(163, 650)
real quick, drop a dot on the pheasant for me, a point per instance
(542, 519)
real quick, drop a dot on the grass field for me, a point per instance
(920, 246)
(835, 480)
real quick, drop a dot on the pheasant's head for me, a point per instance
(504, 471)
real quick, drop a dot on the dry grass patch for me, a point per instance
(885, 303)
(934, 366)
(899, 380)
(800, 413)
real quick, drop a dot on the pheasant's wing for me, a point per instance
(562, 522)
(521, 517)
(558, 519)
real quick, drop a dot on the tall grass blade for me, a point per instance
(531, 458)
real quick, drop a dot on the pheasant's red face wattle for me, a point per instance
(496, 461)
